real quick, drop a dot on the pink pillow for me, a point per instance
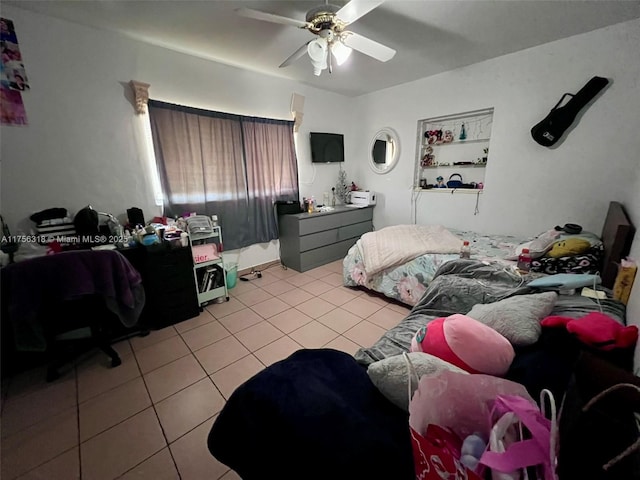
(466, 343)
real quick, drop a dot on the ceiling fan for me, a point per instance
(329, 22)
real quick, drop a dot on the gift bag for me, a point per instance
(436, 455)
(521, 437)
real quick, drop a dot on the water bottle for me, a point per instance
(465, 251)
(524, 260)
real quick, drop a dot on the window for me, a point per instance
(232, 166)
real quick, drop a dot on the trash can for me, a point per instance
(232, 275)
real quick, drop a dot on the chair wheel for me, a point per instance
(116, 362)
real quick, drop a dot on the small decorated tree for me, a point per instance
(342, 186)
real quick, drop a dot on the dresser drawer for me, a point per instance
(324, 255)
(319, 222)
(354, 231)
(320, 239)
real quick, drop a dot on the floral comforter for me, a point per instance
(408, 282)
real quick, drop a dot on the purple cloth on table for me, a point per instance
(65, 276)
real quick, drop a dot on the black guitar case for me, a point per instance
(551, 129)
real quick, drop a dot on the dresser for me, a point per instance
(308, 240)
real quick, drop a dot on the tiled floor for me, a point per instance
(149, 418)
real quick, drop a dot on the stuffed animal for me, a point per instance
(465, 343)
(597, 330)
(568, 246)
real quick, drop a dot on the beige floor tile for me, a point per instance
(316, 307)
(106, 410)
(313, 335)
(335, 267)
(318, 272)
(334, 279)
(188, 408)
(344, 345)
(39, 443)
(241, 287)
(95, 378)
(282, 273)
(114, 452)
(161, 353)
(258, 335)
(22, 411)
(219, 310)
(31, 380)
(296, 297)
(192, 457)
(230, 475)
(278, 288)
(386, 318)
(202, 319)
(220, 354)
(158, 467)
(276, 351)
(339, 320)
(155, 336)
(240, 320)
(338, 296)
(361, 307)
(404, 309)
(270, 307)
(254, 296)
(289, 320)
(232, 376)
(205, 335)
(123, 347)
(317, 288)
(65, 466)
(300, 279)
(173, 377)
(365, 333)
(376, 298)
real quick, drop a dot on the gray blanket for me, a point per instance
(460, 284)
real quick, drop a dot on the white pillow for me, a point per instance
(517, 318)
(537, 247)
(391, 375)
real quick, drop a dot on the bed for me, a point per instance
(317, 415)
(406, 282)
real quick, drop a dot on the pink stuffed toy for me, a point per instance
(465, 343)
(597, 330)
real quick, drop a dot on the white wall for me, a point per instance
(84, 144)
(528, 188)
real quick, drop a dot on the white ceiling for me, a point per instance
(430, 36)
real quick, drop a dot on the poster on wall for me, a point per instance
(13, 74)
(11, 106)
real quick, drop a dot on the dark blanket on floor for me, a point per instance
(314, 415)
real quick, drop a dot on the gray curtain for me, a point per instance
(232, 166)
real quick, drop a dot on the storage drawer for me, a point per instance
(357, 215)
(324, 255)
(320, 239)
(354, 231)
(318, 222)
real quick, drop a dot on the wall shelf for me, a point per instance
(455, 191)
(446, 147)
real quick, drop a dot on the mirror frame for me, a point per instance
(391, 133)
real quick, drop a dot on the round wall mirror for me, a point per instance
(385, 150)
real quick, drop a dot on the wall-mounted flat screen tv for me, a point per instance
(327, 147)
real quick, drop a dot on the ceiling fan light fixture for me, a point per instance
(317, 50)
(340, 52)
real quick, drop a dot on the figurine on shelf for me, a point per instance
(463, 133)
(440, 183)
(448, 136)
(354, 187)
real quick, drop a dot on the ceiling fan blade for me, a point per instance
(296, 55)
(368, 46)
(270, 17)
(355, 9)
